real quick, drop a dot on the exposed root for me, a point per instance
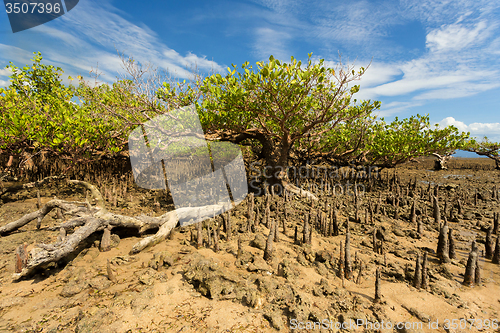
(64, 205)
(15, 188)
(90, 219)
(298, 191)
(294, 189)
(93, 190)
(42, 254)
(169, 220)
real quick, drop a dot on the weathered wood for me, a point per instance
(41, 256)
(41, 213)
(289, 187)
(98, 218)
(169, 220)
(93, 190)
(15, 188)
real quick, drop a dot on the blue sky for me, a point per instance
(427, 56)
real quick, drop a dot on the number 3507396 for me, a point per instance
(33, 7)
(470, 323)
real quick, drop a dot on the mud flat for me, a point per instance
(177, 286)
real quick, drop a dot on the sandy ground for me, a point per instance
(200, 290)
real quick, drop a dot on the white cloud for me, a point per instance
(406, 85)
(9, 53)
(5, 72)
(271, 42)
(436, 75)
(436, 85)
(396, 107)
(434, 12)
(378, 73)
(460, 58)
(99, 29)
(457, 91)
(452, 121)
(476, 129)
(455, 37)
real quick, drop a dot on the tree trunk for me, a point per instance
(440, 163)
(276, 167)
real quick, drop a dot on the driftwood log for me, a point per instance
(16, 188)
(89, 219)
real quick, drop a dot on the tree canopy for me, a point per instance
(290, 112)
(486, 148)
(278, 104)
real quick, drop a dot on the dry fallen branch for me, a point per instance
(90, 219)
(47, 208)
(15, 188)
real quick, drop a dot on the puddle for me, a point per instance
(432, 183)
(457, 176)
(467, 233)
